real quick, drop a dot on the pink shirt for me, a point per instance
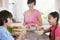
(57, 31)
(31, 18)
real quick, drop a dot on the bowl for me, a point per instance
(39, 32)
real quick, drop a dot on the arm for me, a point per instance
(20, 36)
(24, 22)
(22, 33)
(47, 30)
(39, 20)
(0, 34)
(57, 33)
(57, 38)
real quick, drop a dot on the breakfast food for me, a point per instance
(17, 27)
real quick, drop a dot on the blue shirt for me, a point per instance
(5, 34)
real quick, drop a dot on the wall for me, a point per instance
(0, 3)
(4, 4)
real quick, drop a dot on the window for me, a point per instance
(12, 7)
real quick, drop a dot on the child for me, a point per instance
(5, 20)
(54, 30)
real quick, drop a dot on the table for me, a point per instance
(34, 36)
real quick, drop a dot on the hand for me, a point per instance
(40, 28)
(22, 33)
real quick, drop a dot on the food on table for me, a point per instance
(40, 32)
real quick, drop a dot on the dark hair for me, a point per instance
(55, 15)
(31, 1)
(4, 14)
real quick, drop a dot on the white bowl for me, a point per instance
(40, 32)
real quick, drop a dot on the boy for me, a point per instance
(5, 20)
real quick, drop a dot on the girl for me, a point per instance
(54, 30)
